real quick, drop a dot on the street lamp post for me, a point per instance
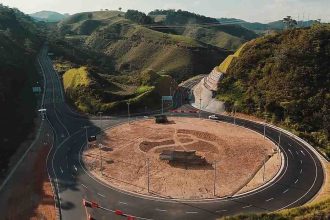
(100, 146)
(215, 178)
(100, 113)
(200, 106)
(148, 174)
(128, 112)
(86, 127)
(264, 130)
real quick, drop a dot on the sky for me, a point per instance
(249, 10)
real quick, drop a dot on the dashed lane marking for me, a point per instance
(101, 195)
(161, 210)
(124, 203)
(300, 171)
(245, 207)
(84, 186)
(290, 152)
(269, 199)
(224, 210)
(302, 152)
(296, 181)
(285, 191)
(191, 212)
(61, 170)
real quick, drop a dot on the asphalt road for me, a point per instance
(299, 181)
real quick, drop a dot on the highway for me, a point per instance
(299, 181)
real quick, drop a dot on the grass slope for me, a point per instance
(286, 79)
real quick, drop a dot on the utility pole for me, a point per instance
(148, 176)
(128, 112)
(264, 130)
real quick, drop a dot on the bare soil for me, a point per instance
(238, 153)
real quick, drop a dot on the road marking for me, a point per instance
(300, 161)
(297, 153)
(248, 206)
(290, 152)
(296, 181)
(300, 170)
(285, 191)
(61, 170)
(75, 168)
(191, 212)
(302, 152)
(224, 210)
(124, 203)
(269, 199)
(161, 210)
(101, 195)
(84, 186)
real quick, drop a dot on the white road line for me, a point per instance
(302, 152)
(101, 195)
(191, 212)
(290, 152)
(75, 168)
(296, 181)
(269, 199)
(224, 210)
(84, 186)
(161, 210)
(61, 170)
(285, 191)
(248, 206)
(297, 153)
(300, 161)
(124, 203)
(300, 170)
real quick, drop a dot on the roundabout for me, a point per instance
(128, 157)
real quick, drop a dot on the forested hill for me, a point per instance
(285, 78)
(18, 46)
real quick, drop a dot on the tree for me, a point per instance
(120, 8)
(289, 22)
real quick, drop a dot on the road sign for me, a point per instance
(36, 89)
(167, 98)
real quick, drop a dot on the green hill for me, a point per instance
(48, 16)
(117, 51)
(285, 78)
(19, 44)
(201, 28)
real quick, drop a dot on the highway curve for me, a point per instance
(299, 181)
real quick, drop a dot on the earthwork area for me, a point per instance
(239, 155)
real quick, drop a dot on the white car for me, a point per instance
(214, 117)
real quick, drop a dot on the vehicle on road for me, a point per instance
(214, 117)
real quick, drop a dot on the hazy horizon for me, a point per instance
(249, 10)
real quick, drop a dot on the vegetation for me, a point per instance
(180, 17)
(19, 44)
(286, 79)
(138, 17)
(316, 211)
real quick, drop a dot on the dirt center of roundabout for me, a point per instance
(233, 156)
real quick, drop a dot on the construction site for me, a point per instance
(182, 158)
